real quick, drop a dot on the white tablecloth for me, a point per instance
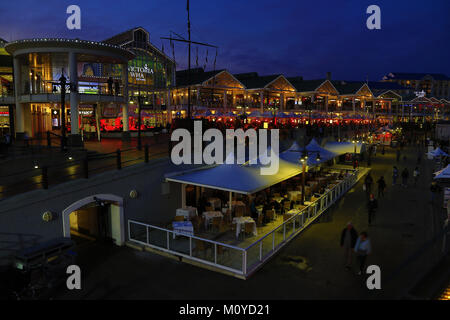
(187, 212)
(240, 221)
(183, 228)
(293, 193)
(208, 215)
(215, 202)
(278, 199)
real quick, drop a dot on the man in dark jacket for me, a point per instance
(368, 182)
(348, 240)
(381, 186)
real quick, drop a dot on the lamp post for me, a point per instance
(303, 160)
(63, 84)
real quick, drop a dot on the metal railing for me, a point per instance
(240, 261)
(74, 166)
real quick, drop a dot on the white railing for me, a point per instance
(241, 261)
(161, 239)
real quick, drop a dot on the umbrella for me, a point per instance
(254, 114)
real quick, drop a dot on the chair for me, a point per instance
(240, 211)
(223, 227)
(179, 218)
(202, 246)
(248, 228)
(276, 195)
(270, 215)
(215, 223)
(209, 209)
(260, 220)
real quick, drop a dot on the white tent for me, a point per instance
(438, 153)
(443, 174)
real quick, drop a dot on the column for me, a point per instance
(198, 96)
(20, 121)
(73, 76)
(354, 104)
(282, 102)
(225, 99)
(390, 106)
(261, 101)
(363, 102)
(326, 104)
(125, 116)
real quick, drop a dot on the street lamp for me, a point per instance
(303, 160)
(63, 84)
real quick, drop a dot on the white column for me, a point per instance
(20, 121)
(126, 126)
(230, 200)
(73, 75)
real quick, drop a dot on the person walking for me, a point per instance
(434, 188)
(394, 175)
(416, 175)
(372, 206)
(405, 175)
(348, 240)
(398, 155)
(381, 186)
(363, 248)
(368, 183)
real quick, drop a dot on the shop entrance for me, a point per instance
(96, 218)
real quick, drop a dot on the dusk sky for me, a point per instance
(297, 37)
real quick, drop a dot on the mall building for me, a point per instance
(106, 81)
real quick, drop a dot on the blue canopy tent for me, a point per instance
(243, 179)
(294, 153)
(340, 148)
(254, 114)
(443, 174)
(438, 153)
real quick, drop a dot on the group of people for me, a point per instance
(354, 244)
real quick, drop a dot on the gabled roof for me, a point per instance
(415, 76)
(305, 85)
(254, 81)
(347, 87)
(197, 77)
(385, 85)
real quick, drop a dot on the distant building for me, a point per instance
(432, 84)
(6, 90)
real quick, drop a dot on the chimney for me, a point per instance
(329, 76)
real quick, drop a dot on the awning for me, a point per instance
(244, 179)
(438, 153)
(294, 153)
(443, 174)
(340, 148)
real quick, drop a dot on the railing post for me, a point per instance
(293, 231)
(86, 167)
(190, 246)
(244, 267)
(49, 139)
(129, 230)
(273, 241)
(148, 235)
(146, 153)
(260, 250)
(168, 240)
(215, 253)
(119, 159)
(45, 177)
(284, 231)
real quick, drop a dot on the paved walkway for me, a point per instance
(405, 222)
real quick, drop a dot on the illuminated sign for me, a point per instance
(139, 73)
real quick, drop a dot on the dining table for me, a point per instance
(241, 221)
(187, 212)
(209, 215)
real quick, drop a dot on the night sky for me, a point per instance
(292, 37)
